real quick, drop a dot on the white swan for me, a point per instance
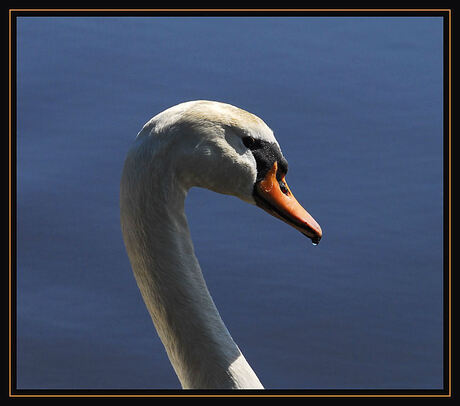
(222, 148)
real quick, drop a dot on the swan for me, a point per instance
(228, 150)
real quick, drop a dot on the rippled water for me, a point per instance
(356, 105)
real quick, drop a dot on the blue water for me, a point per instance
(356, 105)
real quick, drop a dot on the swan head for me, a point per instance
(228, 150)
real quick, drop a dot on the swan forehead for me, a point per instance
(204, 113)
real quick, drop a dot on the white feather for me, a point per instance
(192, 144)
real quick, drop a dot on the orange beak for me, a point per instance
(276, 198)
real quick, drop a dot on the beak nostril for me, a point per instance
(283, 187)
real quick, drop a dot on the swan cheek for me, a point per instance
(236, 180)
(233, 174)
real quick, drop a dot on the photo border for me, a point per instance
(447, 195)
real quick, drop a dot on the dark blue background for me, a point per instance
(356, 104)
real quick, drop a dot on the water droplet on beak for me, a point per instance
(315, 240)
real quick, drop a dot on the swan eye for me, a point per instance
(250, 142)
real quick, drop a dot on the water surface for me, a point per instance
(356, 105)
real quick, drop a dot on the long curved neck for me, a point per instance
(160, 249)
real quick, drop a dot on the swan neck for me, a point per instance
(158, 242)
